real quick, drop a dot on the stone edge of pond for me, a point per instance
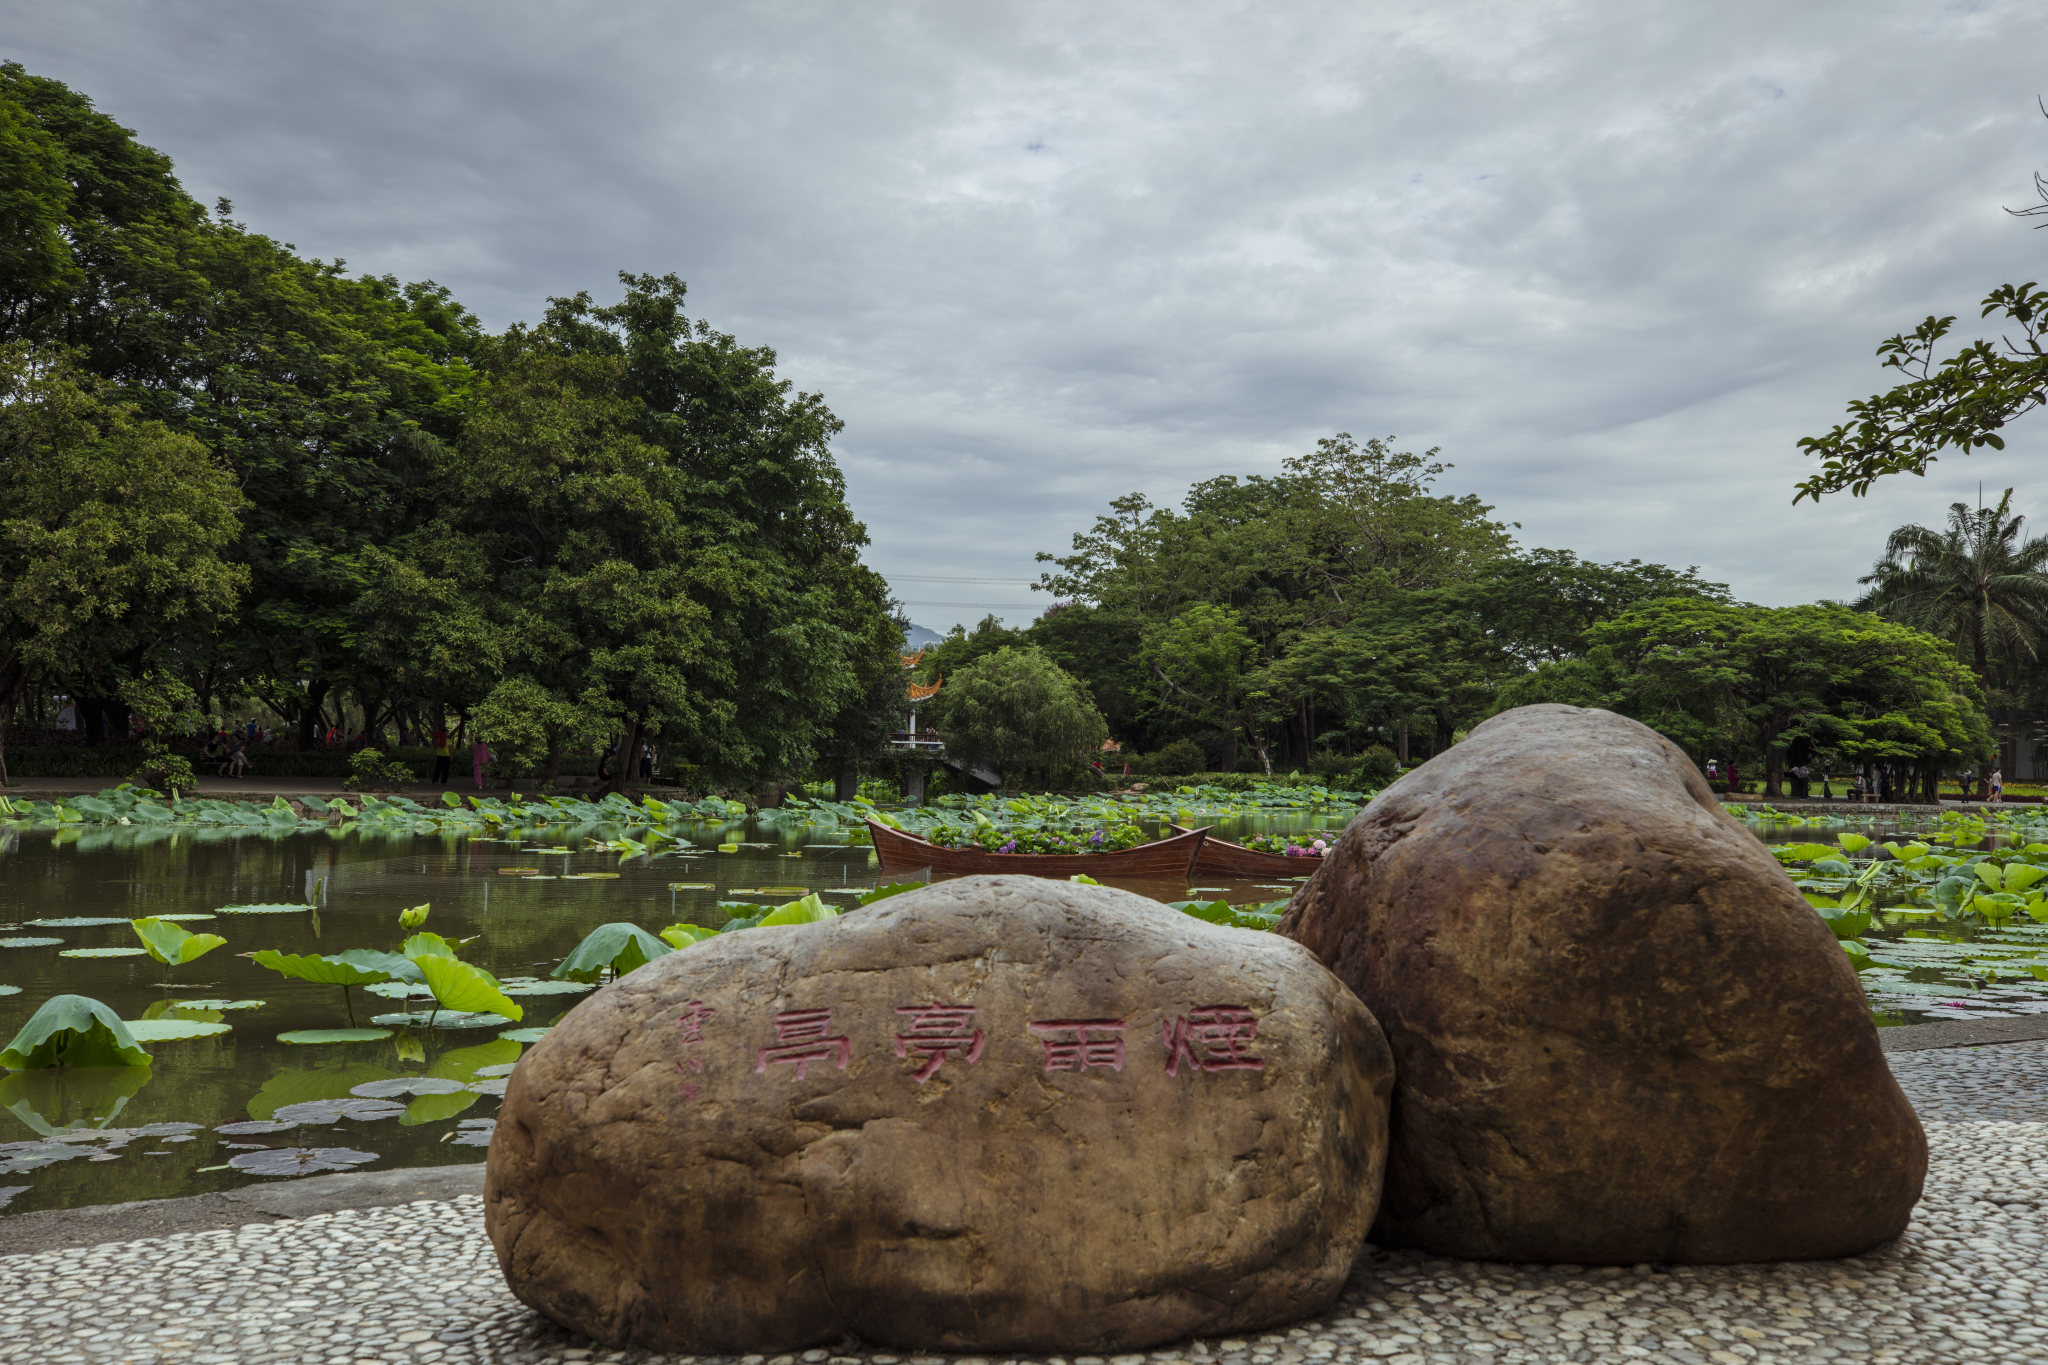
(2025, 1028)
(24, 1234)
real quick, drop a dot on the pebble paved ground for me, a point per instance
(417, 1283)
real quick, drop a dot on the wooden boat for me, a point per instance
(1174, 857)
(1221, 858)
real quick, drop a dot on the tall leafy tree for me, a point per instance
(112, 532)
(1022, 714)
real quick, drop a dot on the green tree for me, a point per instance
(112, 531)
(1022, 714)
(1716, 677)
(1960, 403)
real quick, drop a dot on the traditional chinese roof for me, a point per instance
(1110, 746)
(912, 660)
(921, 691)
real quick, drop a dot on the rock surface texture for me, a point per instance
(1000, 1113)
(1620, 1034)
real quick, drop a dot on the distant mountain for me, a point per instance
(918, 637)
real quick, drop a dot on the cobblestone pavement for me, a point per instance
(2008, 1081)
(418, 1283)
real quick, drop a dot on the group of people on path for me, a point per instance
(480, 757)
(1878, 788)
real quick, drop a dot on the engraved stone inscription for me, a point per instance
(1212, 1038)
(937, 1032)
(1093, 1043)
(803, 1037)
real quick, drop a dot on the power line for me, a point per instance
(929, 578)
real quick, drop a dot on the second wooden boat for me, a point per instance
(1173, 857)
(1221, 858)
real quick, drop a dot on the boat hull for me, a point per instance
(1174, 857)
(1221, 858)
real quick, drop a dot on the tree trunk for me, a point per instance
(627, 759)
(309, 713)
(554, 769)
(845, 782)
(1774, 769)
(1401, 743)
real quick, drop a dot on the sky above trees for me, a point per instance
(1615, 262)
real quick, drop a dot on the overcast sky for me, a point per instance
(1615, 259)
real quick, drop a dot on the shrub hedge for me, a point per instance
(77, 760)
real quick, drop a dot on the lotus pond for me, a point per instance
(323, 987)
(381, 965)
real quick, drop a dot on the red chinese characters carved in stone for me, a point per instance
(693, 1020)
(801, 1037)
(1212, 1038)
(937, 1032)
(1095, 1042)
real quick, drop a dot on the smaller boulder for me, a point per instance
(999, 1113)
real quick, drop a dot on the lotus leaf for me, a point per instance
(263, 909)
(409, 1085)
(423, 945)
(413, 918)
(809, 910)
(331, 1111)
(10, 990)
(1803, 853)
(2020, 876)
(102, 952)
(29, 942)
(619, 947)
(1990, 874)
(686, 935)
(73, 922)
(289, 1161)
(327, 971)
(459, 986)
(882, 893)
(1852, 843)
(295, 1085)
(440, 1018)
(221, 1004)
(74, 1031)
(307, 1036)
(1859, 954)
(174, 945)
(523, 1035)
(171, 1030)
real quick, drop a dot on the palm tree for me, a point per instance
(1975, 584)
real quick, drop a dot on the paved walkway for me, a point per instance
(416, 1282)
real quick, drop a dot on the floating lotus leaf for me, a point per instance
(73, 922)
(523, 986)
(29, 942)
(73, 1031)
(331, 1111)
(263, 909)
(498, 1069)
(184, 919)
(288, 1161)
(408, 1085)
(309, 1036)
(441, 1019)
(254, 1127)
(220, 1004)
(523, 1035)
(397, 990)
(103, 952)
(10, 990)
(171, 1030)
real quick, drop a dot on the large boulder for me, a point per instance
(1620, 1034)
(999, 1113)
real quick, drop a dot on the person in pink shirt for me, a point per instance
(480, 754)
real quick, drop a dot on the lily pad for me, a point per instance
(103, 952)
(501, 1069)
(72, 922)
(289, 1161)
(408, 1085)
(523, 1035)
(29, 942)
(263, 910)
(440, 1019)
(530, 986)
(10, 990)
(518, 871)
(171, 1030)
(220, 1004)
(331, 1111)
(253, 1127)
(185, 919)
(334, 1035)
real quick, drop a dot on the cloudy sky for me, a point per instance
(1615, 259)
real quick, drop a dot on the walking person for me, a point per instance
(480, 754)
(442, 756)
(1884, 784)
(647, 763)
(1997, 785)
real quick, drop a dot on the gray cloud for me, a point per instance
(1615, 260)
